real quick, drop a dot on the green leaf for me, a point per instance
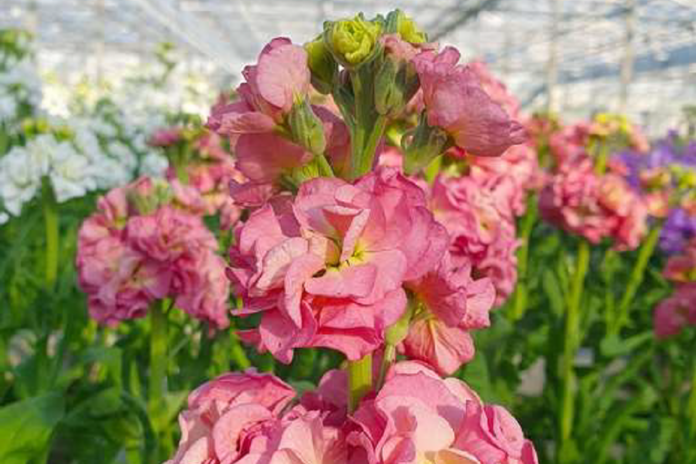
(26, 427)
(552, 289)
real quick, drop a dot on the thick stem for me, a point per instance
(50, 210)
(158, 353)
(571, 343)
(520, 299)
(359, 381)
(637, 274)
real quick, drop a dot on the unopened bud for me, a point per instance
(424, 146)
(395, 84)
(352, 41)
(322, 65)
(306, 128)
(406, 27)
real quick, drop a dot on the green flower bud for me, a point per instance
(322, 64)
(399, 23)
(395, 84)
(306, 128)
(353, 41)
(424, 146)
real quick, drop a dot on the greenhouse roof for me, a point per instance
(589, 43)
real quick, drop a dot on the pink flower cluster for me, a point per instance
(679, 309)
(594, 206)
(135, 250)
(279, 79)
(330, 269)
(481, 227)
(248, 418)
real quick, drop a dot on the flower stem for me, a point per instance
(646, 251)
(50, 211)
(571, 342)
(359, 381)
(324, 166)
(387, 360)
(520, 300)
(158, 353)
(692, 407)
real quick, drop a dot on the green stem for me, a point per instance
(359, 381)
(433, 169)
(692, 407)
(571, 344)
(50, 210)
(637, 274)
(520, 300)
(237, 352)
(387, 360)
(158, 353)
(324, 166)
(370, 150)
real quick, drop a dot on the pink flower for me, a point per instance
(265, 157)
(168, 234)
(419, 417)
(495, 88)
(492, 435)
(128, 258)
(675, 312)
(455, 101)
(208, 180)
(682, 268)
(165, 137)
(509, 177)
(227, 416)
(570, 143)
(327, 269)
(272, 85)
(581, 202)
(451, 304)
(301, 439)
(481, 228)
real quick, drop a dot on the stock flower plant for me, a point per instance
(336, 250)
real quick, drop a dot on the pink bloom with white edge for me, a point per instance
(419, 417)
(449, 304)
(328, 268)
(456, 102)
(226, 415)
(675, 312)
(280, 76)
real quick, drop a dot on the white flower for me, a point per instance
(71, 173)
(4, 217)
(19, 180)
(123, 154)
(8, 107)
(40, 152)
(153, 165)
